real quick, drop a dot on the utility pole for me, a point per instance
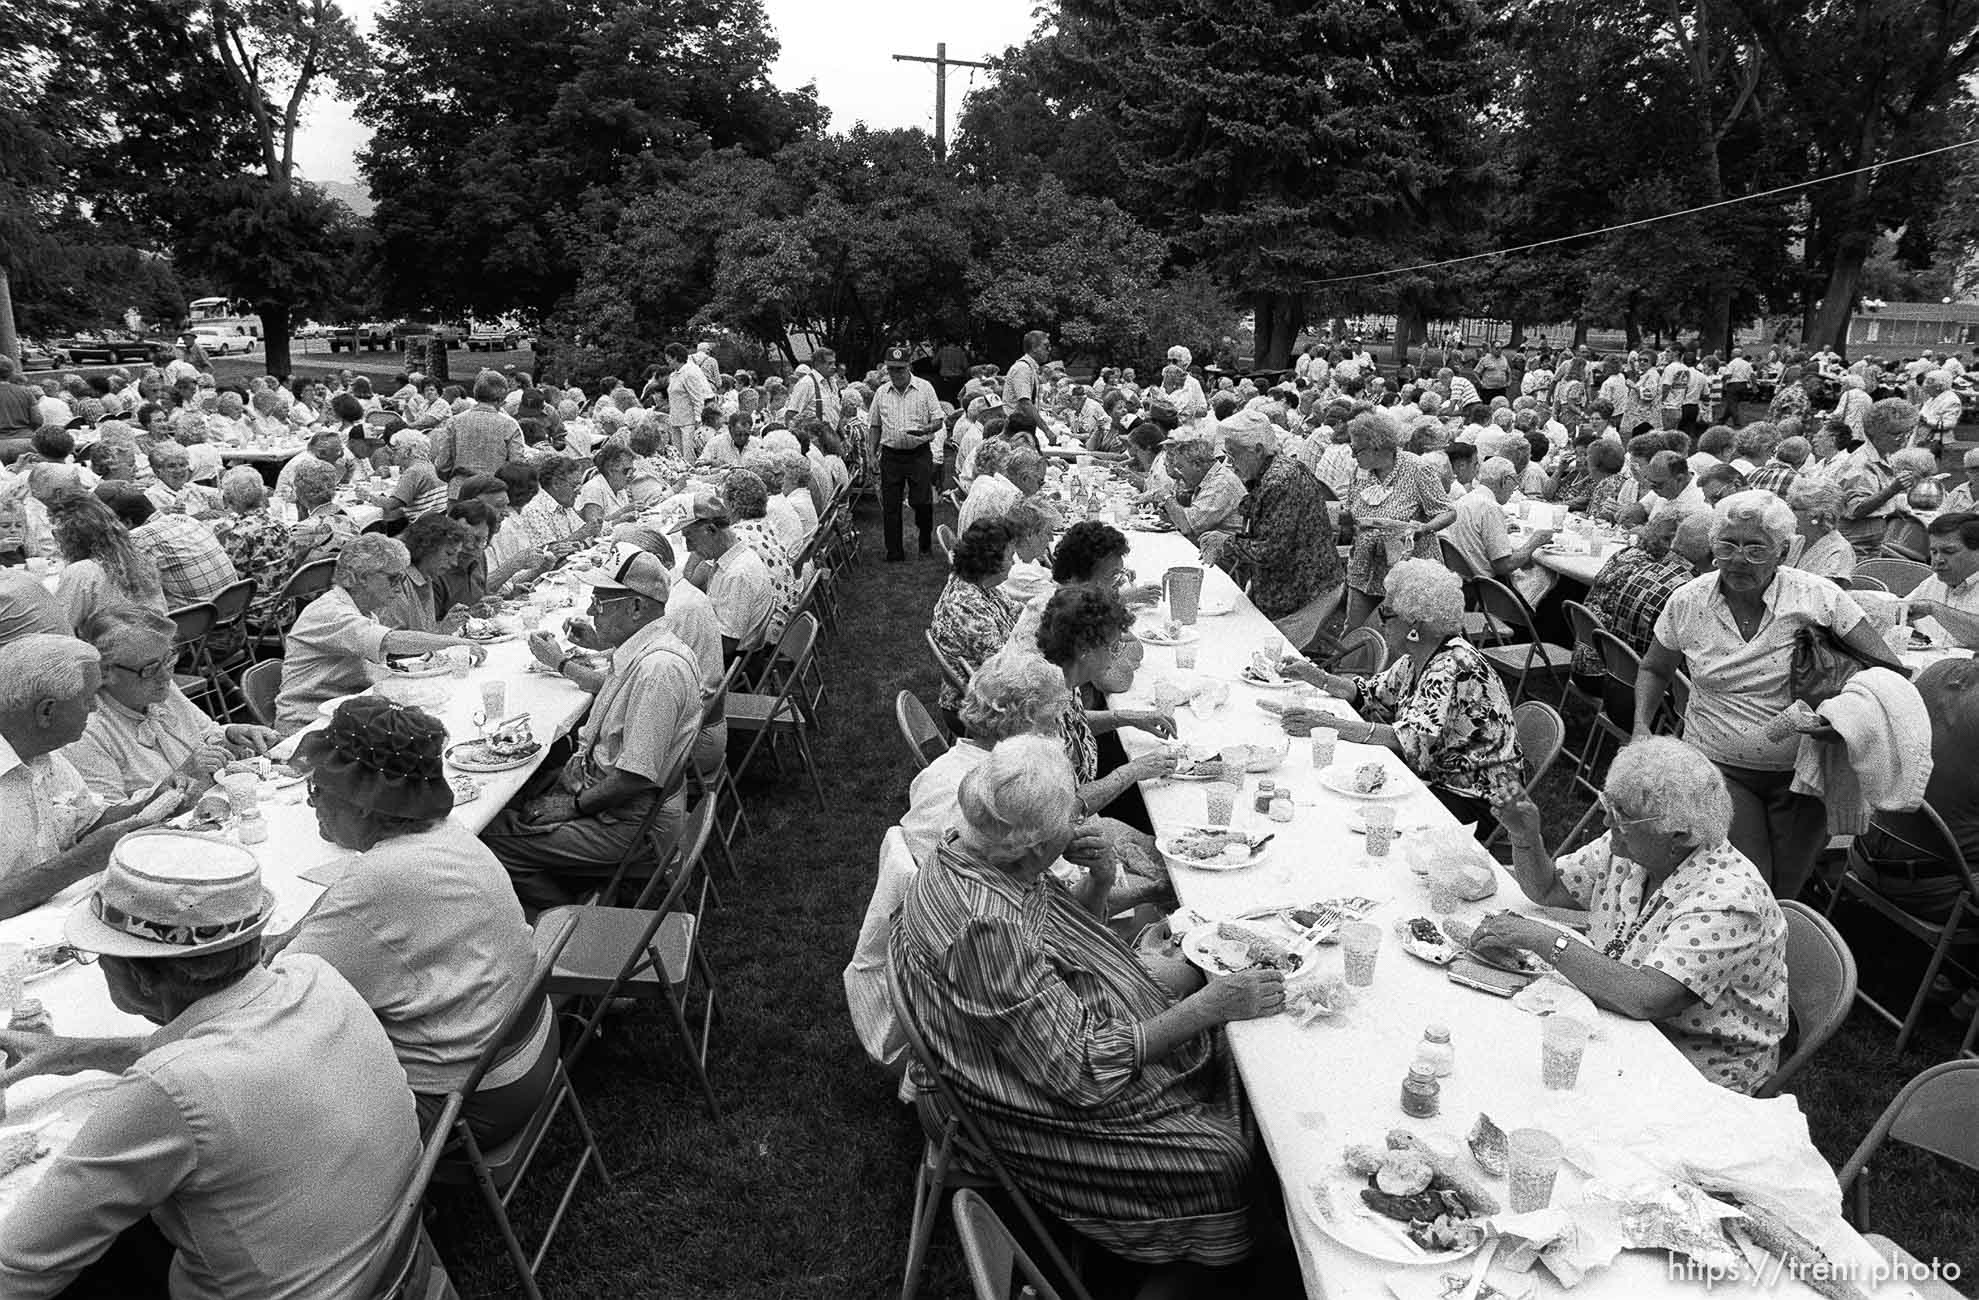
(942, 64)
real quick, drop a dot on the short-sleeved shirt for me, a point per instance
(1020, 382)
(1830, 556)
(990, 497)
(1288, 542)
(1629, 594)
(85, 587)
(1453, 722)
(124, 751)
(647, 713)
(267, 1131)
(1411, 490)
(898, 415)
(688, 391)
(1864, 476)
(1217, 501)
(480, 440)
(542, 522)
(192, 565)
(332, 650)
(427, 929)
(598, 491)
(743, 594)
(1479, 532)
(45, 806)
(419, 490)
(1738, 686)
(1717, 931)
(261, 549)
(27, 607)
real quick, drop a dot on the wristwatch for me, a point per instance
(1560, 946)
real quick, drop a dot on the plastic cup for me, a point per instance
(1535, 1164)
(1324, 741)
(240, 789)
(1185, 655)
(1443, 896)
(1183, 586)
(13, 974)
(1562, 1044)
(1221, 799)
(1379, 819)
(1360, 944)
(494, 701)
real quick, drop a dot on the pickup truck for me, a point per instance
(440, 330)
(113, 348)
(495, 337)
(370, 336)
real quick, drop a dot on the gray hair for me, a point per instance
(1755, 505)
(1673, 782)
(796, 466)
(319, 478)
(1022, 796)
(1660, 531)
(1375, 431)
(1027, 519)
(1891, 416)
(167, 451)
(41, 667)
(1496, 470)
(1793, 451)
(1695, 530)
(1426, 594)
(1916, 460)
(1192, 452)
(991, 457)
(123, 630)
(1818, 494)
(242, 489)
(1013, 694)
(1755, 442)
(369, 553)
(413, 442)
(1023, 460)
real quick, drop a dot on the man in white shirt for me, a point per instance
(1938, 414)
(688, 392)
(814, 390)
(1951, 594)
(1669, 482)
(1738, 382)
(1961, 499)
(736, 580)
(1479, 531)
(1023, 383)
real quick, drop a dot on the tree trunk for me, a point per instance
(1631, 330)
(10, 344)
(1580, 332)
(1716, 336)
(1277, 319)
(1829, 324)
(275, 337)
(1518, 334)
(1409, 327)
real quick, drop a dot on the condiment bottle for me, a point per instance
(30, 1017)
(1261, 802)
(1435, 1050)
(1281, 805)
(1421, 1093)
(252, 827)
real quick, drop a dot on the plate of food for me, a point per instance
(1372, 779)
(1422, 938)
(1213, 848)
(489, 754)
(1513, 961)
(436, 664)
(1146, 523)
(1261, 673)
(1226, 947)
(267, 770)
(47, 959)
(1402, 1203)
(1169, 633)
(484, 631)
(1201, 763)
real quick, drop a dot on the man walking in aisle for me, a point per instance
(904, 420)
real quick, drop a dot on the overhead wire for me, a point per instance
(1643, 221)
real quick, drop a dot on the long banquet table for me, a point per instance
(296, 864)
(1315, 1089)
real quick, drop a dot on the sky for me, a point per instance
(851, 62)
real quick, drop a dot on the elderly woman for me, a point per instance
(796, 472)
(103, 567)
(1143, 467)
(603, 501)
(422, 921)
(1104, 1089)
(1873, 486)
(1207, 497)
(972, 618)
(434, 543)
(419, 489)
(1031, 527)
(174, 492)
(1084, 631)
(323, 528)
(1818, 546)
(1605, 481)
(829, 476)
(1288, 547)
(1398, 505)
(1736, 628)
(782, 515)
(339, 645)
(258, 545)
(1446, 708)
(748, 507)
(1682, 929)
(144, 730)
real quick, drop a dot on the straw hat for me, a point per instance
(169, 893)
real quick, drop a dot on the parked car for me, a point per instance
(407, 329)
(223, 340)
(370, 336)
(36, 356)
(111, 347)
(495, 337)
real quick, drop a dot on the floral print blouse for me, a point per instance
(1454, 722)
(969, 625)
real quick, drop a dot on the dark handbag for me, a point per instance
(1823, 663)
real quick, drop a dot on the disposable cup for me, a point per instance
(1183, 585)
(1379, 819)
(1443, 896)
(240, 788)
(1221, 800)
(494, 700)
(1562, 1044)
(1534, 1165)
(1324, 740)
(1360, 944)
(1185, 655)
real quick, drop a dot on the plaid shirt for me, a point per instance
(192, 566)
(477, 441)
(1626, 596)
(1774, 476)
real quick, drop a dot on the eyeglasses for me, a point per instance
(1615, 818)
(1384, 613)
(1750, 552)
(150, 672)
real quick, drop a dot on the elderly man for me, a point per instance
(1872, 487)
(323, 528)
(53, 831)
(1016, 478)
(1479, 531)
(1633, 586)
(737, 582)
(1950, 595)
(1667, 482)
(550, 521)
(1296, 578)
(1939, 413)
(325, 445)
(573, 826)
(338, 646)
(1718, 482)
(1204, 497)
(1964, 498)
(1023, 383)
(1777, 475)
(266, 1127)
(481, 439)
(727, 453)
(174, 492)
(900, 429)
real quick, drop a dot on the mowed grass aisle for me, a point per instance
(804, 1189)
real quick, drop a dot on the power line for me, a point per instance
(942, 64)
(1645, 221)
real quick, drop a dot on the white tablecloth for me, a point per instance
(77, 998)
(1338, 1081)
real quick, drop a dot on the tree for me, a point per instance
(1281, 143)
(509, 139)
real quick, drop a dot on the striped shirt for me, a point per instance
(900, 416)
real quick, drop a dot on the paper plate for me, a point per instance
(1214, 955)
(1394, 788)
(472, 756)
(1155, 636)
(1168, 839)
(1335, 1205)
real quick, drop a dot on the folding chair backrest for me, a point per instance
(1541, 731)
(390, 1269)
(310, 581)
(992, 1253)
(230, 603)
(715, 707)
(193, 622)
(1938, 1111)
(949, 672)
(946, 536)
(1622, 665)
(1506, 605)
(551, 939)
(1898, 577)
(1863, 582)
(1820, 986)
(1363, 651)
(918, 729)
(1455, 560)
(261, 684)
(1922, 834)
(1584, 622)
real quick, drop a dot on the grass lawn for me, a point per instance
(804, 1189)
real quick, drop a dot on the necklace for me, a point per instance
(1617, 945)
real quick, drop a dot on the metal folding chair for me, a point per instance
(1615, 721)
(1518, 660)
(1542, 733)
(951, 672)
(918, 729)
(783, 714)
(193, 624)
(499, 1172)
(261, 684)
(1938, 1111)
(650, 950)
(407, 1267)
(994, 1257)
(1898, 577)
(1362, 651)
(713, 787)
(1820, 988)
(945, 538)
